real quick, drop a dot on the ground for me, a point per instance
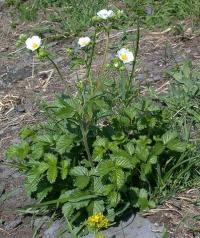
(23, 87)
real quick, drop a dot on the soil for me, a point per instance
(22, 89)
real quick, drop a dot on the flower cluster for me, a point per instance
(97, 221)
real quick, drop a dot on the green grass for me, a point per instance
(164, 12)
(64, 17)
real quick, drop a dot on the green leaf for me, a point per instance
(105, 167)
(20, 151)
(157, 149)
(123, 162)
(130, 148)
(79, 171)
(64, 144)
(142, 152)
(96, 206)
(118, 177)
(100, 142)
(37, 151)
(41, 195)
(52, 170)
(26, 132)
(143, 202)
(65, 112)
(114, 198)
(47, 139)
(31, 182)
(64, 169)
(82, 182)
(67, 210)
(177, 145)
(108, 189)
(168, 136)
(98, 185)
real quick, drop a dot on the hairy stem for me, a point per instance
(56, 67)
(135, 56)
(85, 142)
(89, 64)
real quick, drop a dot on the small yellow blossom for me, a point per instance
(97, 221)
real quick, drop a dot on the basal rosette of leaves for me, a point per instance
(104, 150)
(126, 154)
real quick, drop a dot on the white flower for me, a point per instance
(84, 41)
(33, 43)
(125, 55)
(105, 14)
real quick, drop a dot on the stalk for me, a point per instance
(56, 67)
(135, 56)
(89, 65)
(85, 142)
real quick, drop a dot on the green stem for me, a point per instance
(135, 56)
(106, 50)
(85, 142)
(89, 64)
(70, 228)
(56, 67)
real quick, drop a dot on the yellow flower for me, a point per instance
(33, 43)
(97, 221)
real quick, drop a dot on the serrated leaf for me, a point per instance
(67, 210)
(118, 177)
(105, 167)
(31, 182)
(157, 149)
(64, 169)
(108, 188)
(41, 195)
(96, 206)
(100, 142)
(26, 132)
(98, 186)
(47, 139)
(123, 162)
(168, 136)
(37, 150)
(20, 151)
(177, 145)
(143, 202)
(64, 144)
(114, 198)
(130, 148)
(79, 171)
(82, 182)
(52, 170)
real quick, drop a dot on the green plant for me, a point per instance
(162, 13)
(105, 149)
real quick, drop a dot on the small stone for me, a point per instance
(20, 108)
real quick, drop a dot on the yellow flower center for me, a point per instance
(124, 57)
(34, 46)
